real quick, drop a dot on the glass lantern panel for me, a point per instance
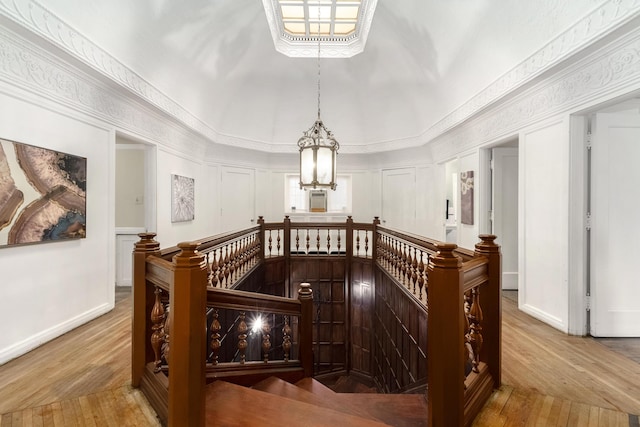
(325, 165)
(306, 165)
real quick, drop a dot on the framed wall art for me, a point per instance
(42, 194)
(182, 198)
(466, 197)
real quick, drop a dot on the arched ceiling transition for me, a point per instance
(427, 64)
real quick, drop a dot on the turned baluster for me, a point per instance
(227, 266)
(157, 337)
(357, 242)
(241, 255)
(396, 258)
(270, 247)
(167, 333)
(414, 270)
(223, 262)
(308, 240)
(214, 269)
(266, 340)
(278, 242)
(297, 240)
(475, 327)
(385, 252)
(421, 278)
(286, 338)
(233, 263)
(328, 241)
(366, 244)
(318, 241)
(216, 327)
(242, 337)
(404, 265)
(338, 241)
(208, 261)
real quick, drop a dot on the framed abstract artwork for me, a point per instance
(182, 198)
(42, 194)
(466, 197)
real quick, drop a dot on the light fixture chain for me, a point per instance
(318, 59)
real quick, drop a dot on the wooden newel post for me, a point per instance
(143, 299)
(187, 300)
(305, 295)
(491, 307)
(445, 339)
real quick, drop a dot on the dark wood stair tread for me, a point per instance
(230, 405)
(315, 387)
(399, 410)
(326, 399)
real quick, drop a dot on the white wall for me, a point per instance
(205, 198)
(544, 221)
(50, 288)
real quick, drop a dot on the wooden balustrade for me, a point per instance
(190, 321)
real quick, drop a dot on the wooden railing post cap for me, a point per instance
(487, 243)
(376, 220)
(146, 243)
(189, 255)
(445, 258)
(305, 291)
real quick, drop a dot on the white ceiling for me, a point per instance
(424, 61)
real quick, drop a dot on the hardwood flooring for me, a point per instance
(83, 378)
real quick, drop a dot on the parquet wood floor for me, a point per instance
(82, 378)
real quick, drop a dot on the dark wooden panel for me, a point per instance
(330, 324)
(399, 337)
(361, 311)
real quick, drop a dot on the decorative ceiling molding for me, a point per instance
(307, 46)
(40, 21)
(595, 26)
(610, 72)
(31, 68)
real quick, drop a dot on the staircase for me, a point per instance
(275, 402)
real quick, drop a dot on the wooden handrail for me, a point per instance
(251, 301)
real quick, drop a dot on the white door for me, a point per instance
(399, 199)
(615, 231)
(237, 201)
(505, 211)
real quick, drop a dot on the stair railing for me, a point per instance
(173, 296)
(177, 291)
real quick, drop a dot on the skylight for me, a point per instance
(343, 24)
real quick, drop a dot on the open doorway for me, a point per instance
(135, 204)
(504, 208)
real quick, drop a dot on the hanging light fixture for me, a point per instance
(318, 148)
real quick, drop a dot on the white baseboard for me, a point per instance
(553, 321)
(40, 338)
(510, 281)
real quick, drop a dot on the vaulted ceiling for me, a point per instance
(427, 64)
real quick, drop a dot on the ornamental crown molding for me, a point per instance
(612, 71)
(34, 17)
